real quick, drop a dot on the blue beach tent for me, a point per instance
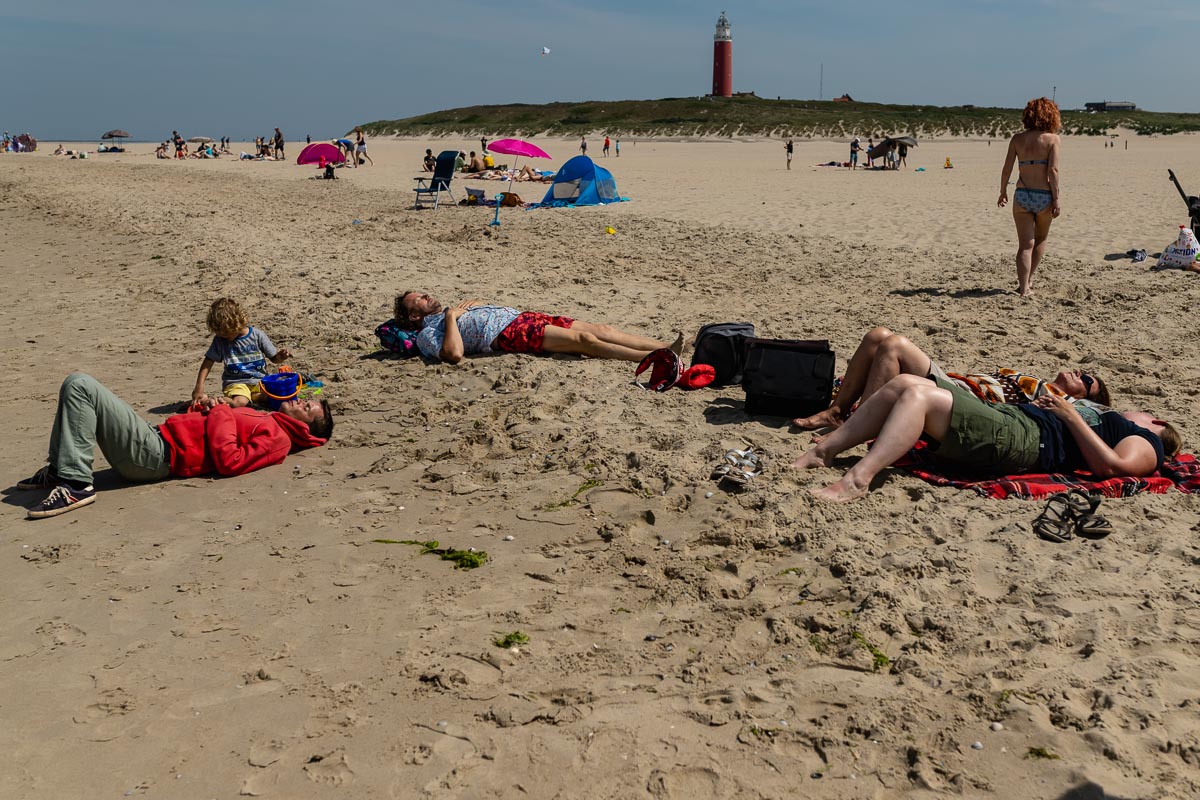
(579, 182)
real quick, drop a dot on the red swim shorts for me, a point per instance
(525, 333)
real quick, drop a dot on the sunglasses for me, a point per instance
(1088, 383)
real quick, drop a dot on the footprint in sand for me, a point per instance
(61, 632)
(332, 768)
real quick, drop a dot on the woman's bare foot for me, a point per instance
(829, 418)
(812, 459)
(842, 491)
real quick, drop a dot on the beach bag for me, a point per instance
(1182, 253)
(394, 338)
(788, 377)
(722, 346)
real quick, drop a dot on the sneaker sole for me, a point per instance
(87, 501)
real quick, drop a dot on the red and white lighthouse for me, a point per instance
(722, 59)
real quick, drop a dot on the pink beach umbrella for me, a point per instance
(518, 148)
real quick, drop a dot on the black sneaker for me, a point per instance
(44, 478)
(63, 499)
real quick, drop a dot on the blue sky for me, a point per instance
(219, 67)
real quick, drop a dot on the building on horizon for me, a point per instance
(1110, 105)
(722, 85)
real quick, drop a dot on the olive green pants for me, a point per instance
(89, 415)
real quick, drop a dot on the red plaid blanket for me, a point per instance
(1182, 472)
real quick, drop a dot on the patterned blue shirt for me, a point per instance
(245, 358)
(478, 327)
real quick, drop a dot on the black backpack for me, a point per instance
(722, 346)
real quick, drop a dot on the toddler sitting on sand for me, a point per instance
(243, 350)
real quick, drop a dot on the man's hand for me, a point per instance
(1058, 406)
(207, 403)
(456, 310)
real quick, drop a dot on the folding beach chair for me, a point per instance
(438, 182)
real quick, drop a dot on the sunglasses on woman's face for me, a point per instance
(1088, 383)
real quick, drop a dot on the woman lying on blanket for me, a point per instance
(1048, 435)
(882, 355)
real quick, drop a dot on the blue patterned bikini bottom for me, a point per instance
(1034, 201)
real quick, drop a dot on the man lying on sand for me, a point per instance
(218, 438)
(882, 355)
(1048, 435)
(482, 328)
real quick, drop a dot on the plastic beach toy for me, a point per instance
(279, 388)
(610, 230)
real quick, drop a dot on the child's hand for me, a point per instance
(283, 355)
(198, 395)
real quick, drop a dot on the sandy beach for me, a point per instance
(250, 637)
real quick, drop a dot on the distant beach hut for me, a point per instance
(312, 154)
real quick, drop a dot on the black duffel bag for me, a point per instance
(788, 377)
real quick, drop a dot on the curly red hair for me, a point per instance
(1042, 115)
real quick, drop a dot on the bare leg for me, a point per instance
(584, 343)
(881, 356)
(1026, 232)
(1041, 231)
(919, 409)
(862, 427)
(897, 355)
(852, 385)
(607, 333)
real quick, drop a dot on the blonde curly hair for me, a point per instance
(226, 318)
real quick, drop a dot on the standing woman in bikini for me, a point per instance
(1036, 199)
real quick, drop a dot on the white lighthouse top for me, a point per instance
(722, 34)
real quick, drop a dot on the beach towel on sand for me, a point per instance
(1181, 472)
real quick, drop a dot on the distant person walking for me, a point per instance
(1035, 206)
(483, 144)
(308, 138)
(870, 147)
(583, 145)
(903, 150)
(855, 147)
(607, 145)
(789, 147)
(178, 140)
(618, 147)
(360, 147)
(279, 145)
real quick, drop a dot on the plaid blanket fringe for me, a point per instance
(1182, 472)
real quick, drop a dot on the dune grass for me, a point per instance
(751, 116)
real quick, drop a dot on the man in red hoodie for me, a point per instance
(215, 438)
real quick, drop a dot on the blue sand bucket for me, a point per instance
(279, 388)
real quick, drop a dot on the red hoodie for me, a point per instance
(232, 441)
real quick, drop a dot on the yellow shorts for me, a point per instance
(245, 390)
